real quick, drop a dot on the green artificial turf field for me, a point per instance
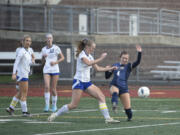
(151, 117)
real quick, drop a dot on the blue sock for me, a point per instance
(114, 97)
(129, 113)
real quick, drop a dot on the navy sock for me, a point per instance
(114, 97)
(129, 113)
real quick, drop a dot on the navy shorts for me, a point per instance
(21, 79)
(52, 74)
(77, 84)
(121, 90)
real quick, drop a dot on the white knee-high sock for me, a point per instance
(47, 98)
(23, 106)
(14, 102)
(54, 100)
(62, 110)
(104, 110)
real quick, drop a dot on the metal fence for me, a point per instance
(153, 58)
(100, 21)
(126, 21)
(140, 21)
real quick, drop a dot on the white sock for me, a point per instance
(23, 106)
(14, 102)
(47, 98)
(54, 100)
(17, 87)
(104, 110)
(62, 110)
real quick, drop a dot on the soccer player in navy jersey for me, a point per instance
(118, 85)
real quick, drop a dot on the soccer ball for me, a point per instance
(143, 92)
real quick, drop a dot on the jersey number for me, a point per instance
(118, 73)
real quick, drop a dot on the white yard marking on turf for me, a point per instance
(4, 120)
(46, 122)
(108, 129)
(89, 110)
(168, 111)
(32, 121)
(10, 120)
(35, 114)
(15, 108)
(38, 114)
(154, 110)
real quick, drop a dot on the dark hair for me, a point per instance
(82, 44)
(123, 53)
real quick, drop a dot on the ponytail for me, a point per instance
(82, 44)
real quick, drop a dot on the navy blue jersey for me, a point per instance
(121, 75)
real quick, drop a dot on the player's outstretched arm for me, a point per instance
(103, 69)
(137, 62)
(138, 48)
(90, 63)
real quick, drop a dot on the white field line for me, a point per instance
(15, 108)
(90, 110)
(46, 122)
(38, 114)
(35, 114)
(109, 129)
(8, 120)
(172, 111)
(5, 120)
(32, 121)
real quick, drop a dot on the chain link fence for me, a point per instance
(62, 19)
(121, 21)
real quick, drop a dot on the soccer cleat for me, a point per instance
(52, 117)
(26, 114)
(128, 119)
(46, 108)
(10, 111)
(114, 107)
(111, 120)
(54, 108)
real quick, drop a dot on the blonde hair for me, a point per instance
(49, 35)
(82, 44)
(26, 36)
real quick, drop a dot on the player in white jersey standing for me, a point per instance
(17, 52)
(52, 55)
(21, 71)
(82, 82)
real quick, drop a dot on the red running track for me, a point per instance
(156, 91)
